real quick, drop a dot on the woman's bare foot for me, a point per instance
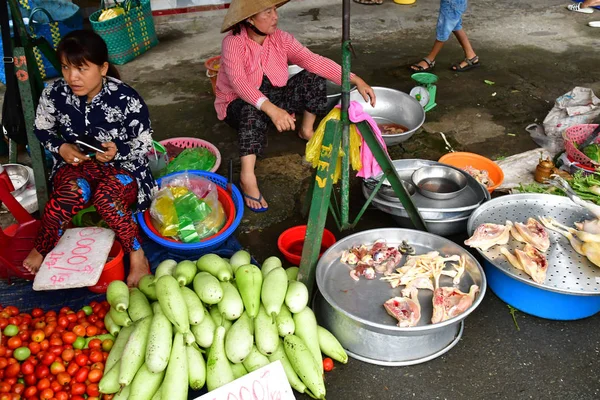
(33, 261)
(138, 267)
(306, 134)
(252, 195)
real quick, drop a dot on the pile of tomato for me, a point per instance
(53, 356)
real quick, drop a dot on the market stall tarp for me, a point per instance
(18, 292)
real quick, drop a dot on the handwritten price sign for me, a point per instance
(77, 260)
(267, 383)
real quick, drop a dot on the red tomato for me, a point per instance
(49, 329)
(92, 319)
(43, 384)
(46, 394)
(24, 335)
(55, 386)
(40, 325)
(42, 371)
(98, 365)
(57, 367)
(68, 354)
(82, 375)
(65, 310)
(3, 323)
(77, 397)
(38, 336)
(69, 337)
(327, 364)
(12, 371)
(96, 356)
(14, 342)
(81, 314)
(62, 395)
(56, 342)
(63, 378)
(92, 390)
(50, 314)
(45, 344)
(34, 347)
(101, 314)
(37, 312)
(30, 380)
(79, 330)
(81, 360)
(56, 350)
(27, 368)
(48, 358)
(31, 391)
(4, 387)
(18, 388)
(3, 362)
(91, 330)
(95, 344)
(94, 376)
(72, 368)
(12, 310)
(63, 321)
(78, 389)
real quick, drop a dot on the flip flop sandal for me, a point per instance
(471, 63)
(258, 200)
(369, 2)
(577, 8)
(419, 68)
(594, 24)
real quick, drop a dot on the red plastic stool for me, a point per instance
(17, 240)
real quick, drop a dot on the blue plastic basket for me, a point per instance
(194, 249)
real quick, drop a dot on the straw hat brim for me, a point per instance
(239, 10)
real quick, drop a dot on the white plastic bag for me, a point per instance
(579, 106)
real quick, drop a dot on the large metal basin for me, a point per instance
(353, 311)
(393, 107)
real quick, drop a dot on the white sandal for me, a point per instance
(577, 8)
(594, 24)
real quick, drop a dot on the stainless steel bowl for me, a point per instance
(439, 182)
(19, 176)
(393, 107)
(353, 310)
(442, 227)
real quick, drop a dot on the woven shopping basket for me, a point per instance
(129, 34)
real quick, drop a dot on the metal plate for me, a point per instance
(469, 199)
(568, 272)
(362, 301)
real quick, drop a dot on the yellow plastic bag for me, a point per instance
(313, 147)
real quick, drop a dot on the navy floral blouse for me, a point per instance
(117, 114)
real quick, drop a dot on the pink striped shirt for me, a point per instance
(243, 63)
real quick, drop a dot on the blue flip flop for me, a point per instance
(256, 210)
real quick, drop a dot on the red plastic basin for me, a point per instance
(291, 243)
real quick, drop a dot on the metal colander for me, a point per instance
(568, 272)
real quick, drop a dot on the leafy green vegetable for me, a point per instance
(593, 152)
(539, 188)
(586, 186)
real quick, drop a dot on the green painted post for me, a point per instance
(320, 203)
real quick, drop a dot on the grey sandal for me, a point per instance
(418, 68)
(471, 63)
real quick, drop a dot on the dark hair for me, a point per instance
(80, 46)
(237, 28)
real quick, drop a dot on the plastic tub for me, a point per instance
(189, 142)
(464, 159)
(195, 249)
(114, 270)
(212, 70)
(291, 243)
(228, 207)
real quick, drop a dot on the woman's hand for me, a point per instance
(282, 120)
(71, 154)
(109, 154)
(365, 90)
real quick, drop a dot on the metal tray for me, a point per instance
(368, 331)
(469, 199)
(568, 272)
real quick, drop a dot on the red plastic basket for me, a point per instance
(188, 143)
(228, 208)
(577, 134)
(114, 270)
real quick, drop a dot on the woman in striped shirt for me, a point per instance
(253, 89)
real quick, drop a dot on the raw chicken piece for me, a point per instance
(406, 310)
(362, 270)
(488, 235)
(591, 250)
(581, 235)
(415, 284)
(449, 302)
(529, 260)
(532, 233)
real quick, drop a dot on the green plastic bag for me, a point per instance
(196, 158)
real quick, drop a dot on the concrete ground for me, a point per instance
(534, 51)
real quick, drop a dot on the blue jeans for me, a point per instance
(450, 18)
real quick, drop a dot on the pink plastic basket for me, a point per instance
(188, 143)
(577, 134)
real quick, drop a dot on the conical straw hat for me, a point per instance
(239, 10)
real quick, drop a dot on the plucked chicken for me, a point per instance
(448, 302)
(590, 250)
(529, 260)
(532, 233)
(488, 235)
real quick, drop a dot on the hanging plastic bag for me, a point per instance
(196, 158)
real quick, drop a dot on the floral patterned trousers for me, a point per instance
(112, 191)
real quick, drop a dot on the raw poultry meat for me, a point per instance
(532, 233)
(378, 258)
(591, 250)
(406, 310)
(488, 235)
(448, 302)
(529, 260)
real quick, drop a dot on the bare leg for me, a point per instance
(307, 130)
(249, 183)
(465, 44)
(138, 267)
(590, 3)
(33, 261)
(437, 46)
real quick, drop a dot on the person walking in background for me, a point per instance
(450, 21)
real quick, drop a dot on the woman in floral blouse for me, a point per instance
(91, 105)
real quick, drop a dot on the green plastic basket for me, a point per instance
(129, 34)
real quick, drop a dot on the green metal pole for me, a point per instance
(320, 203)
(346, 68)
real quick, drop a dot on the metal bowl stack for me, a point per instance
(442, 217)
